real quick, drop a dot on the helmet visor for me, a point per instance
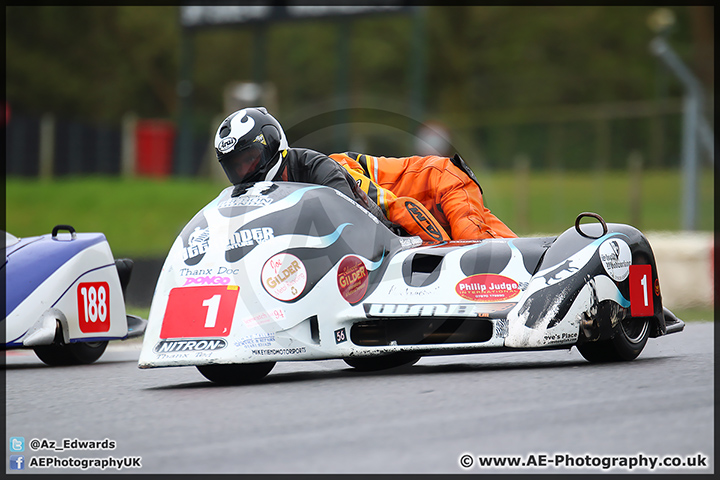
(243, 165)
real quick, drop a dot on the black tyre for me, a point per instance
(629, 340)
(384, 362)
(233, 374)
(79, 353)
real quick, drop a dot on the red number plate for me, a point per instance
(93, 300)
(641, 294)
(199, 311)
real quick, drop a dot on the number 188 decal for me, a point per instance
(94, 306)
(205, 311)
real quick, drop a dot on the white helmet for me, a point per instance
(248, 145)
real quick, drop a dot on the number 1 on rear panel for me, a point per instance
(213, 305)
(641, 300)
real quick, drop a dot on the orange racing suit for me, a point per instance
(410, 189)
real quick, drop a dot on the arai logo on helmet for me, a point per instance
(227, 144)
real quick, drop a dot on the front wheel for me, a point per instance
(234, 374)
(79, 353)
(629, 340)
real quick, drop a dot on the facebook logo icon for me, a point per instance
(17, 462)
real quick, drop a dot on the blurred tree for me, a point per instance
(98, 62)
(93, 61)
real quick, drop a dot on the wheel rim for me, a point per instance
(634, 330)
(94, 344)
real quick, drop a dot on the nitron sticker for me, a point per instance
(616, 258)
(284, 277)
(197, 345)
(487, 287)
(352, 279)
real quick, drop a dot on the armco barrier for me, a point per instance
(685, 266)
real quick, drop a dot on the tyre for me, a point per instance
(234, 374)
(629, 340)
(384, 362)
(79, 353)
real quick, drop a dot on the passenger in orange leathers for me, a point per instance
(445, 187)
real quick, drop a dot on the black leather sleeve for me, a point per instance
(309, 166)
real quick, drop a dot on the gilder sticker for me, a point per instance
(352, 279)
(284, 277)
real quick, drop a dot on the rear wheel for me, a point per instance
(79, 353)
(629, 340)
(233, 374)
(384, 362)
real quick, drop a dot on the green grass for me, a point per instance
(141, 217)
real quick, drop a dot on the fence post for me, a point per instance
(635, 164)
(47, 146)
(522, 193)
(603, 145)
(128, 151)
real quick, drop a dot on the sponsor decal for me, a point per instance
(616, 258)
(202, 311)
(250, 237)
(563, 337)
(657, 287)
(207, 280)
(256, 340)
(284, 277)
(246, 201)
(409, 242)
(265, 317)
(435, 309)
(340, 336)
(227, 144)
(185, 345)
(93, 300)
(196, 272)
(641, 298)
(423, 221)
(352, 279)
(487, 287)
(197, 243)
(279, 351)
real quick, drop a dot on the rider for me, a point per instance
(447, 187)
(251, 146)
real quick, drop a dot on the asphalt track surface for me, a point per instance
(324, 417)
